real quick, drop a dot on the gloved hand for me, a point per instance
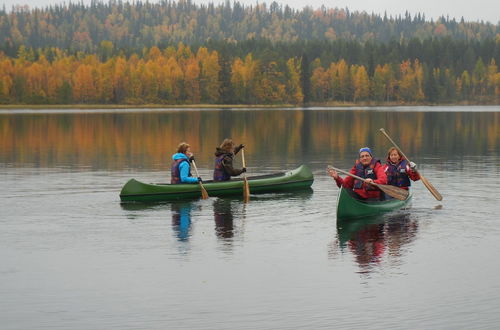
(413, 166)
(199, 179)
(243, 170)
(191, 159)
(241, 146)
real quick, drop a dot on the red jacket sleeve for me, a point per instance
(380, 172)
(348, 182)
(412, 174)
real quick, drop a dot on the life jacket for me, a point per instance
(220, 173)
(367, 172)
(396, 174)
(175, 176)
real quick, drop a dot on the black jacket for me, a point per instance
(227, 161)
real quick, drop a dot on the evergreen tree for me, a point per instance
(305, 79)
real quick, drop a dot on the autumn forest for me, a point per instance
(181, 53)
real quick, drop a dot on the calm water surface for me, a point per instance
(73, 257)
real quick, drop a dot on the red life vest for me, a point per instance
(175, 173)
(367, 172)
(396, 174)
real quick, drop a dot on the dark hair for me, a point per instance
(227, 145)
(182, 147)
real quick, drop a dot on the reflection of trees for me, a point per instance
(369, 239)
(117, 140)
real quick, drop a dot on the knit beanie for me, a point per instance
(368, 150)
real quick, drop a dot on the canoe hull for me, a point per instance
(350, 208)
(136, 191)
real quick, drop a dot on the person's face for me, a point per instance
(188, 151)
(365, 158)
(394, 156)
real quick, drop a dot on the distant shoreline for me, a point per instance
(228, 106)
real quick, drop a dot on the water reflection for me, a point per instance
(181, 219)
(376, 239)
(180, 213)
(145, 140)
(223, 216)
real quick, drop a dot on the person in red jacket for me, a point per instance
(399, 171)
(367, 168)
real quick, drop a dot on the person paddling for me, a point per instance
(367, 168)
(224, 154)
(399, 171)
(181, 167)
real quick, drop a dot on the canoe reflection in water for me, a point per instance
(181, 220)
(375, 240)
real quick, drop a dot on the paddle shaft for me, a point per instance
(243, 159)
(353, 175)
(426, 182)
(246, 187)
(204, 193)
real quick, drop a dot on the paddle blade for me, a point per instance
(246, 190)
(395, 192)
(431, 188)
(204, 193)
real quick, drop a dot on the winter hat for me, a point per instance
(368, 150)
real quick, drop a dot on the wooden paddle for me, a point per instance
(393, 191)
(246, 187)
(204, 193)
(426, 182)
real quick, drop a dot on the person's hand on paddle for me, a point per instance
(238, 148)
(244, 170)
(332, 173)
(367, 183)
(413, 166)
(199, 179)
(191, 159)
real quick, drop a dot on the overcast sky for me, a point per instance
(471, 10)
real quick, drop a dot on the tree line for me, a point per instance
(120, 52)
(131, 26)
(185, 75)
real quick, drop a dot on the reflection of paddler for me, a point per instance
(368, 244)
(223, 217)
(370, 238)
(400, 230)
(181, 219)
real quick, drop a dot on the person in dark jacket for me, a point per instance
(399, 171)
(224, 156)
(367, 168)
(181, 167)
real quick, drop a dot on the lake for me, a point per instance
(73, 257)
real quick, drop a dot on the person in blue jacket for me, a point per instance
(181, 167)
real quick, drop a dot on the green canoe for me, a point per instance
(299, 178)
(349, 207)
